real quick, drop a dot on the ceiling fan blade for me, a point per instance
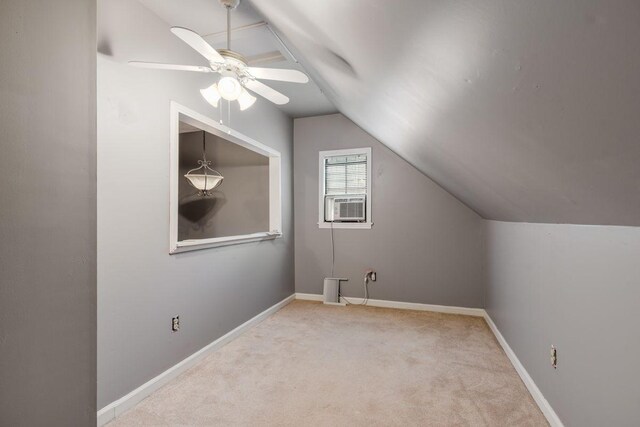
(199, 44)
(293, 76)
(266, 92)
(159, 66)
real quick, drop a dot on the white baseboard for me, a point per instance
(545, 407)
(478, 312)
(309, 297)
(116, 408)
(535, 392)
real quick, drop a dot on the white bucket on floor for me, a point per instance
(331, 291)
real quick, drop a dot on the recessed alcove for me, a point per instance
(244, 207)
(240, 205)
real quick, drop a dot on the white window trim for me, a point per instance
(180, 113)
(321, 189)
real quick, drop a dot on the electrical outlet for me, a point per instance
(370, 275)
(554, 357)
(175, 324)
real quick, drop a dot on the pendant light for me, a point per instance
(203, 178)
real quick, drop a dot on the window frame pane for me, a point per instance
(349, 159)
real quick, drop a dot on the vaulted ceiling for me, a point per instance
(524, 110)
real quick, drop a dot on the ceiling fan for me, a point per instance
(235, 75)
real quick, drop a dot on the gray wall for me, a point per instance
(425, 245)
(575, 287)
(240, 205)
(140, 286)
(47, 213)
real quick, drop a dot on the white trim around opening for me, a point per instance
(322, 155)
(180, 113)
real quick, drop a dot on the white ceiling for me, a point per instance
(524, 110)
(208, 18)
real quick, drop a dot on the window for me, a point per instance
(345, 188)
(345, 174)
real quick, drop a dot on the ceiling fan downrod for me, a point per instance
(229, 5)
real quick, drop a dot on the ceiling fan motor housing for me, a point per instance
(234, 63)
(233, 56)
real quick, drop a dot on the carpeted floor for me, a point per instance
(316, 365)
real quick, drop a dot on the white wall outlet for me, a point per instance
(370, 275)
(175, 324)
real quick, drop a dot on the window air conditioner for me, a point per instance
(345, 208)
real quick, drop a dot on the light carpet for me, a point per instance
(316, 365)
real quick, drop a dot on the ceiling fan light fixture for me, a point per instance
(229, 87)
(211, 95)
(245, 100)
(232, 67)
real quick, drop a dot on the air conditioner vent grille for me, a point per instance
(345, 209)
(351, 210)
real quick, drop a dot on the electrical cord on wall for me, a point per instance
(333, 264)
(333, 252)
(366, 293)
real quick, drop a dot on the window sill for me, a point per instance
(194, 245)
(353, 225)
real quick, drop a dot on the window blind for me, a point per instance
(345, 174)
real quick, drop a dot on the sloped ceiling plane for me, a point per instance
(525, 111)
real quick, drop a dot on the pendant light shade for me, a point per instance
(204, 182)
(203, 178)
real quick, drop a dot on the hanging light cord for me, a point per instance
(204, 159)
